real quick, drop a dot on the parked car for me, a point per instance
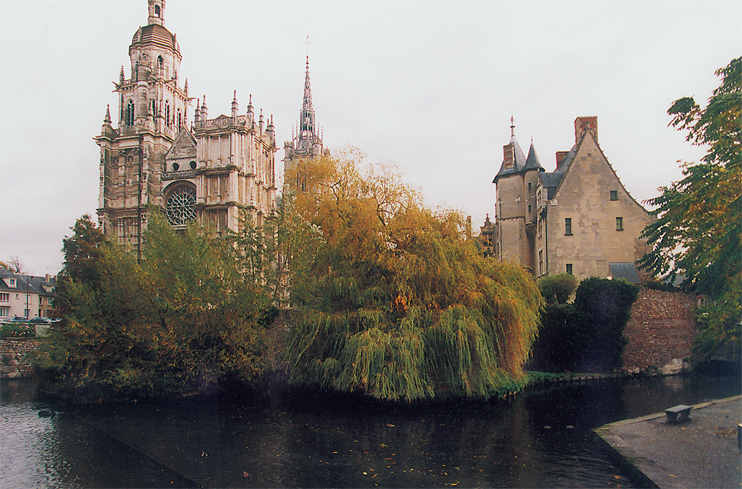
(40, 320)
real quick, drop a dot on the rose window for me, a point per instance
(181, 206)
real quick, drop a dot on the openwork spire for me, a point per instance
(306, 119)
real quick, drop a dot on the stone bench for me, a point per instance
(678, 413)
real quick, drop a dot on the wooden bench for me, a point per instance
(678, 413)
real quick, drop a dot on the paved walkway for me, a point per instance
(699, 452)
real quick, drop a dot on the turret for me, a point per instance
(204, 111)
(234, 105)
(271, 131)
(107, 129)
(156, 12)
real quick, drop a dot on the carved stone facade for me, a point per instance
(578, 219)
(153, 161)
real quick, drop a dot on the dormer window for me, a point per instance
(12, 283)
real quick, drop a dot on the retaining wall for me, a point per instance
(661, 331)
(14, 358)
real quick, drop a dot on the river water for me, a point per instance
(541, 438)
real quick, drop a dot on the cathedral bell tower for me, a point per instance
(152, 109)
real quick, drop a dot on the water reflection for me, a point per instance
(539, 439)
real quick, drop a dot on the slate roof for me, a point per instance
(518, 165)
(551, 181)
(625, 271)
(25, 283)
(532, 161)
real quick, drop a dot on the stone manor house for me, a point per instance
(578, 219)
(155, 158)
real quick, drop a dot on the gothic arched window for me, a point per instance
(157, 10)
(181, 206)
(167, 113)
(180, 119)
(129, 118)
(160, 63)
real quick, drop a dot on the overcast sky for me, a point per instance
(426, 85)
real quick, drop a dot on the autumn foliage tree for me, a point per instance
(699, 218)
(397, 303)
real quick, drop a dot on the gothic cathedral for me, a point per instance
(153, 161)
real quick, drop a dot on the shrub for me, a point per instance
(556, 289)
(588, 334)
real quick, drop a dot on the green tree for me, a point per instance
(557, 289)
(587, 335)
(185, 319)
(699, 224)
(397, 303)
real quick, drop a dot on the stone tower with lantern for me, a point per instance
(154, 160)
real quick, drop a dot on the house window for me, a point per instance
(568, 226)
(4, 297)
(619, 224)
(569, 268)
(614, 194)
(12, 283)
(4, 311)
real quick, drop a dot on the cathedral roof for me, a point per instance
(155, 34)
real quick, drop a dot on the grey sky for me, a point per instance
(426, 85)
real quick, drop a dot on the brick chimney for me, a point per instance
(583, 124)
(560, 157)
(508, 155)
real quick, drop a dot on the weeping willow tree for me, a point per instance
(397, 303)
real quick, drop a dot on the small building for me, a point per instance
(26, 296)
(578, 219)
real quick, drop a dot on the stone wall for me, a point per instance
(661, 331)
(14, 358)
